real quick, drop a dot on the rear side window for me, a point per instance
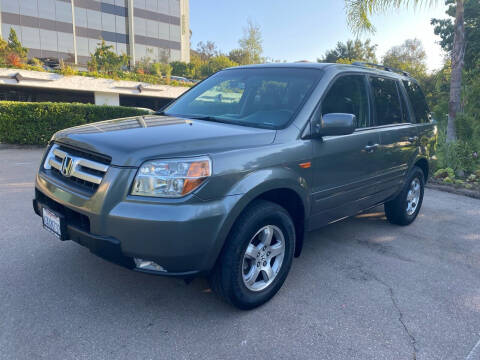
(417, 99)
(386, 101)
(348, 94)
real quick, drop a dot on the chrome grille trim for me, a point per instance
(79, 167)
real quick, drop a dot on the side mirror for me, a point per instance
(333, 124)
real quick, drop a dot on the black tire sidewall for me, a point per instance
(405, 218)
(260, 216)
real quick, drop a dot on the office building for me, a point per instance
(71, 29)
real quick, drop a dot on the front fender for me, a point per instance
(252, 186)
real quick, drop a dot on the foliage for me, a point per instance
(14, 60)
(445, 29)
(444, 173)
(217, 63)
(35, 123)
(34, 64)
(468, 129)
(12, 53)
(410, 57)
(161, 69)
(239, 56)
(179, 68)
(251, 43)
(3, 51)
(105, 60)
(360, 11)
(66, 70)
(15, 46)
(458, 155)
(207, 50)
(352, 50)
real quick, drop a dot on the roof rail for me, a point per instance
(382, 67)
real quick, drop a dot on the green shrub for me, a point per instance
(468, 129)
(444, 173)
(458, 155)
(35, 123)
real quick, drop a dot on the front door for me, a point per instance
(344, 166)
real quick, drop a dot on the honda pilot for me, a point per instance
(227, 179)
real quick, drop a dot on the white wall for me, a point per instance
(104, 98)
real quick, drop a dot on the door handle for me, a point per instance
(413, 139)
(371, 148)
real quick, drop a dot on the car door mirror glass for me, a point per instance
(333, 124)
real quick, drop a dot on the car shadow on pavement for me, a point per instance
(90, 280)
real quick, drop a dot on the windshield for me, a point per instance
(259, 97)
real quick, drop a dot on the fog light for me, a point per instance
(148, 265)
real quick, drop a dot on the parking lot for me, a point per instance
(362, 289)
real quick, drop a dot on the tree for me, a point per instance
(3, 51)
(107, 61)
(251, 43)
(352, 50)
(217, 63)
(15, 46)
(446, 30)
(207, 50)
(239, 56)
(179, 68)
(410, 57)
(358, 16)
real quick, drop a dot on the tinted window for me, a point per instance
(262, 97)
(405, 112)
(419, 105)
(386, 101)
(348, 95)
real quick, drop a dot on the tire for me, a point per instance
(233, 277)
(403, 210)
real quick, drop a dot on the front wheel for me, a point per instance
(404, 209)
(257, 256)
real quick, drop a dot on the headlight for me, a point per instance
(171, 178)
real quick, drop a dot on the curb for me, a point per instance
(24, 147)
(450, 189)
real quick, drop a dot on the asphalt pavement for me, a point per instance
(362, 289)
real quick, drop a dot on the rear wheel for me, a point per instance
(404, 209)
(257, 256)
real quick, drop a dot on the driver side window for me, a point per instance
(348, 95)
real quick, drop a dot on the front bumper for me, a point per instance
(183, 236)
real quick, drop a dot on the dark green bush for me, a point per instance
(458, 155)
(35, 123)
(468, 129)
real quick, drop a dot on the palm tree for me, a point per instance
(358, 16)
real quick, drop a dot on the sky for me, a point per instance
(295, 30)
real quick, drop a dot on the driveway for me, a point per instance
(362, 289)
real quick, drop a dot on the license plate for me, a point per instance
(52, 222)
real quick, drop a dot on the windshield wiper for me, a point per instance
(220, 120)
(207, 118)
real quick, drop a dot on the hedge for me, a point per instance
(35, 123)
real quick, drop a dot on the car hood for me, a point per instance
(130, 141)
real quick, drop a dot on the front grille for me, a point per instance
(103, 159)
(72, 217)
(76, 167)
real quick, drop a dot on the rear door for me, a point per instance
(421, 113)
(398, 134)
(345, 165)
